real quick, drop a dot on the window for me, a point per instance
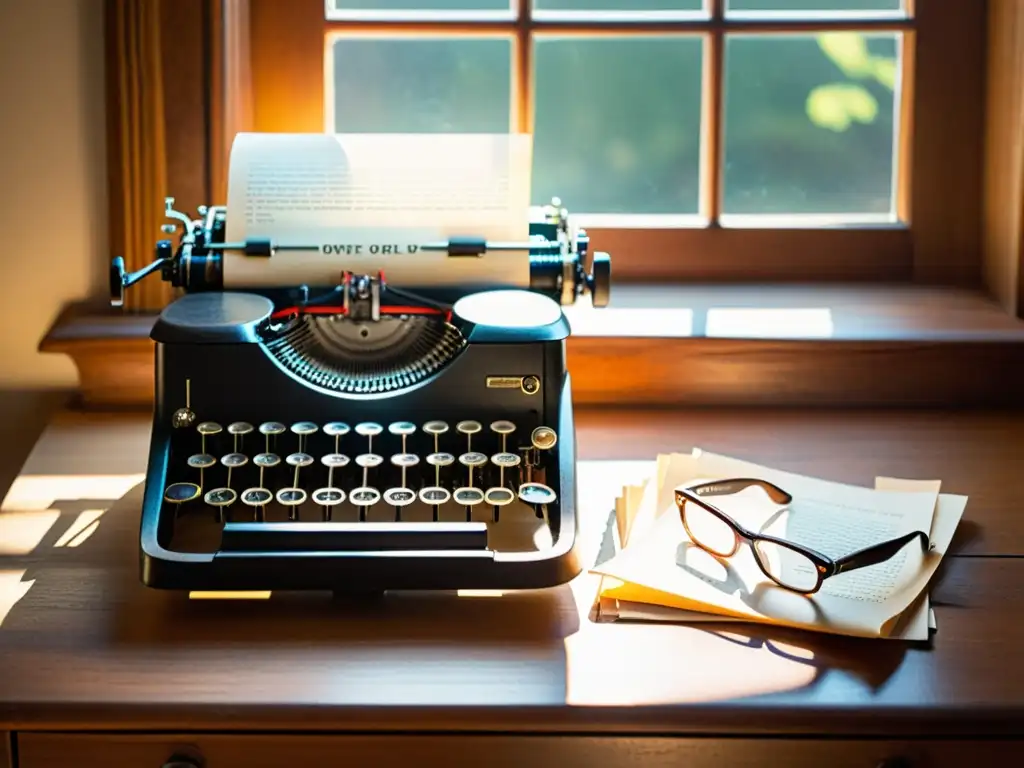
(695, 139)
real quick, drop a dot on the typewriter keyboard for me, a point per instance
(364, 472)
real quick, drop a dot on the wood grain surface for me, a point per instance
(5, 750)
(496, 751)
(87, 646)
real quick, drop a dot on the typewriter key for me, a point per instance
(179, 493)
(208, 428)
(402, 428)
(435, 428)
(303, 428)
(232, 460)
(369, 460)
(291, 498)
(405, 460)
(256, 497)
(299, 459)
(328, 497)
(473, 459)
(364, 496)
(544, 438)
(336, 429)
(220, 497)
(201, 461)
(440, 459)
(239, 428)
(468, 427)
(503, 427)
(505, 460)
(435, 495)
(369, 429)
(499, 497)
(334, 460)
(272, 428)
(468, 496)
(399, 497)
(536, 493)
(266, 460)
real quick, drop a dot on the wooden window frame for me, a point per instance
(275, 46)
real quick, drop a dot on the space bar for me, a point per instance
(352, 537)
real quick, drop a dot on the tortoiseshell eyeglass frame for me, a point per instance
(825, 567)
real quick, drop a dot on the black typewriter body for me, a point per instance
(356, 446)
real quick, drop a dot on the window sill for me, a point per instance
(701, 345)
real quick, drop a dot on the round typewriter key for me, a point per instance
(503, 427)
(272, 428)
(183, 417)
(364, 497)
(543, 438)
(220, 497)
(505, 459)
(499, 497)
(435, 495)
(201, 461)
(369, 460)
(473, 459)
(399, 497)
(468, 496)
(239, 428)
(256, 497)
(402, 428)
(334, 460)
(468, 427)
(369, 429)
(336, 429)
(536, 493)
(179, 493)
(328, 497)
(405, 459)
(209, 428)
(299, 459)
(440, 459)
(266, 460)
(291, 497)
(435, 427)
(234, 460)
(304, 428)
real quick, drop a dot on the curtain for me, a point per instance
(138, 164)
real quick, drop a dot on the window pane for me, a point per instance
(632, 6)
(809, 123)
(828, 6)
(421, 5)
(418, 85)
(617, 124)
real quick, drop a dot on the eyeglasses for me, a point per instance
(787, 563)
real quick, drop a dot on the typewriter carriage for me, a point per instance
(349, 354)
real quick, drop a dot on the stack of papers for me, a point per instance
(659, 574)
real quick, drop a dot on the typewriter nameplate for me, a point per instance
(528, 384)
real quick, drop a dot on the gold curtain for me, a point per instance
(139, 162)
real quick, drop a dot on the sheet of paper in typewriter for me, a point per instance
(367, 201)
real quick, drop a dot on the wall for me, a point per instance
(53, 227)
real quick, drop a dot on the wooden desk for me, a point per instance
(96, 670)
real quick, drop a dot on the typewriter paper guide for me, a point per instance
(368, 200)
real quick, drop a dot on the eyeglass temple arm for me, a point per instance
(737, 484)
(879, 553)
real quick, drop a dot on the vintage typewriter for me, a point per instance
(362, 436)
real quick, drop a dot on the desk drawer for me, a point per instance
(55, 750)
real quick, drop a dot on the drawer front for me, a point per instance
(55, 750)
(5, 749)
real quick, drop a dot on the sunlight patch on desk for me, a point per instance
(39, 492)
(12, 589)
(81, 529)
(22, 531)
(771, 323)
